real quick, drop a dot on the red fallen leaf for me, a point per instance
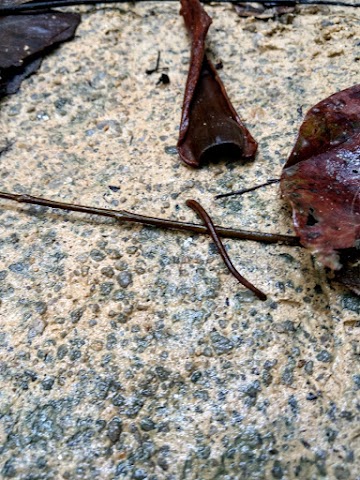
(321, 179)
(210, 127)
(25, 39)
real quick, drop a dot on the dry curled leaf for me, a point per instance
(210, 127)
(25, 39)
(321, 181)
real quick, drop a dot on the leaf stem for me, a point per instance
(246, 190)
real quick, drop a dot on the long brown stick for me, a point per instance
(124, 216)
(223, 253)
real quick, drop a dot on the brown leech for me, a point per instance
(194, 205)
(210, 128)
(124, 216)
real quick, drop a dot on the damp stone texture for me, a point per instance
(130, 352)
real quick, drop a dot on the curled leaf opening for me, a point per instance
(210, 127)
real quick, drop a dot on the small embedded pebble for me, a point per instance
(324, 356)
(171, 150)
(97, 345)
(76, 315)
(124, 279)
(121, 265)
(97, 255)
(139, 474)
(106, 288)
(37, 328)
(220, 343)
(146, 424)
(41, 307)
(114, 429)
(108, 272)
(47, 383)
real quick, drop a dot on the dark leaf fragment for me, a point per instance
(164, 79)
(25, 39)
(12, 84)
(349, 275)
(210, 127)
(264, 11)
(321, 179)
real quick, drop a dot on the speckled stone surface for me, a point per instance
(130, 352)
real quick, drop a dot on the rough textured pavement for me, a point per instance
(130, 352)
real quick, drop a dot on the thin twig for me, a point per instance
(194, 205)
(246, 190)
(124, 216)
(150, 71)
(45, 4)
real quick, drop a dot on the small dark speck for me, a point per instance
(306, 444)
(113, 188)
(164, 79)
(311, 396)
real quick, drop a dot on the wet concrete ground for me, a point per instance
(130, 352)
